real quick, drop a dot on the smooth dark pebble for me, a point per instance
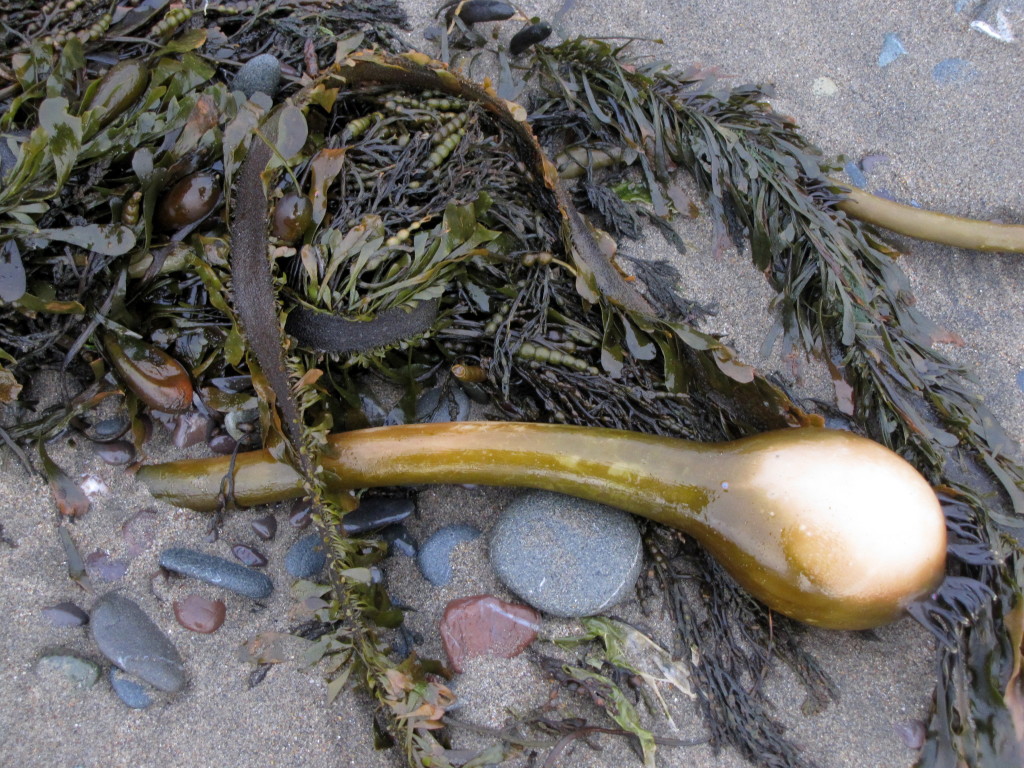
(191, 428)
(376, 512)
(436, 406)
(435, 557)
(66, 615)
(198, 614)
(76, 671)
(260, 74)
(301, 514)
(477, 11)
(217, 571)
(265, 527)
(117, 452)
(399, 540)
(248, 556)
(132, 693)
(306, 557)
(129, 638)
(222, 443)
(101, 567)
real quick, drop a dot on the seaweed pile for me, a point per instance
(416, 231)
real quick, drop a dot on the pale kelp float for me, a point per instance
(392, 218)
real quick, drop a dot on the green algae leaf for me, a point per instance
(106, 239)
(63, 135)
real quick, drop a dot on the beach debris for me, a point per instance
(260, 74)
(129, 638)
(440, 404)
(376, 512)
(65, 614)
(566, 556)
(248, 556)
(399, 540)
(198, 614)
(301, 514)
(955, 71)
(856, 174)
(72, 670)
(306, 557)
(824, 86)
(102, 568)
(265, 527)
(72, 501)
(892, 49)
(139, 531)
(911, 732)
(484, 625)
(73, 559)
(131, 692)
(435, 556)
(218, 572)
(995, 18)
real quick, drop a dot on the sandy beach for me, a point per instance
(950, 136)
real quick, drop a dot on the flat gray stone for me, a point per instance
(566, 556)
(435, 556)
(260, 74)
(132, 693)
(306, 557)
(75, 671)
(129, 638)
(217, 571)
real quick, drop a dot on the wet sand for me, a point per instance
(950, 146)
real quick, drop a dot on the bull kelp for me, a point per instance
(393, 219)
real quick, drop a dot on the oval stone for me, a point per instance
(129, 638)
(199, 614)
(566, 556)
(217, 571)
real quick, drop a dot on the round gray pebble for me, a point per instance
(437, 406)
(78, 672)
(129, 638)
(217, 571)
(566, 556)
(306, 557)
(259, 74)
(435, 557)
(132, 693)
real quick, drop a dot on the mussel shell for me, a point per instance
(189, 200)
(292, 216)
(528, 36)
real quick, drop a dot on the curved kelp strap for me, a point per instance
(598, 275)
(333, 333)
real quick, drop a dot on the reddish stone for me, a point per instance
(483, 625)
(199, 614)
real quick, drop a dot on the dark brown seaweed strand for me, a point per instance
(254, 295)
(333, 333)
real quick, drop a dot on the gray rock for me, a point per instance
(77, 672)
(260, 74)
(129, 638)
(131, 692)
(217, 571)
(566, 556)
(435, 557)
(306, 557)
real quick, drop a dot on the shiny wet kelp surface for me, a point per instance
(439, 248)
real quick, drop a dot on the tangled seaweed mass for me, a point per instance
(391, 217)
